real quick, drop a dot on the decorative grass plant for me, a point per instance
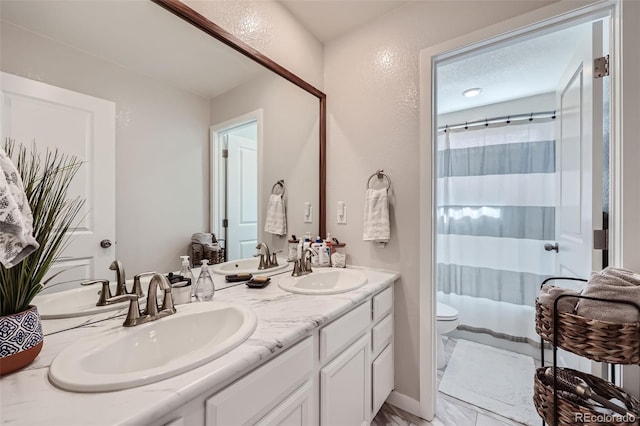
(46, 179)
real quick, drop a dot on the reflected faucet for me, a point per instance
(121, 286)
(265, 258)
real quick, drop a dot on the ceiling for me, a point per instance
(518, 70)
(512, 71)
(111, 30)
(329, 19)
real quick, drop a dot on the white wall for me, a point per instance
(371, 81)
(268, 27)
(162, 139)
(291, 132)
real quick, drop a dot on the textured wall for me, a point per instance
(268, 27)
(372, 81)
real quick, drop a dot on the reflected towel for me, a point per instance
(549, 293)
(376, 216)
(276, 221)
(616, 284)
(16, 219)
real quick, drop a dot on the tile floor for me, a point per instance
(449, 411)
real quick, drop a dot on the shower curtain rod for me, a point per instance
(498, 120)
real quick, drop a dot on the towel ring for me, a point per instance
(381, 176)
(275, 186)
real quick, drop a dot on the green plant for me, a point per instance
(46, 179)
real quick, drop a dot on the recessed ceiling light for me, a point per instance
(470, 93)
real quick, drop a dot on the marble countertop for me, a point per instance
(28, 398)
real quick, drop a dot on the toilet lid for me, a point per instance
(446, 312)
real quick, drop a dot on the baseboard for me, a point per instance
(405, 403)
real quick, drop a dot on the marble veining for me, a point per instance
(283, 320)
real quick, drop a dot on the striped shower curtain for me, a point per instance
(496, 197)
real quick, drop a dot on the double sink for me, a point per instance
(195, 335)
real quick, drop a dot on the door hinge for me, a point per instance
(225, 153)
(601, 67)
(225, 223)
(600, 239)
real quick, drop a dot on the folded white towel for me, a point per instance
(276, 221)
(16, 219)
(376, 216)
(611, 284)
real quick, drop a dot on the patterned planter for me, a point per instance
(20, 340)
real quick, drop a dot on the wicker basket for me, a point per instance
(199, 252)
(616, 343)
(574, 411)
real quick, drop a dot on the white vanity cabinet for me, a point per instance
(339, 375)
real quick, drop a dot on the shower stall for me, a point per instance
(496, 197)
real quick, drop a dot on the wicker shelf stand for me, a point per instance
(614, 343)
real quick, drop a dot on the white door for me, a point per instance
(579, 171)
(579, 161)
(83, 126)
(242, 190)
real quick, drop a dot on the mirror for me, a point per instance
(174, 82)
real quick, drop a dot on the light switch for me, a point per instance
(342, 213)
(308, 212)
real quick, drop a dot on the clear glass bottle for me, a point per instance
(187, 273)
(204, 287)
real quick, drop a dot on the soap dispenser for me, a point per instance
(187, 274)
(204, 287)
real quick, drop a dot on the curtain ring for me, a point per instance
(446, 128)
(509, 119)
(466, 125)
(486, 122)
(531, 117)
(553, 117)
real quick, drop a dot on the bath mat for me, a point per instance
(494, 379)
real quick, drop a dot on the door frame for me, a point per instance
(216, 199)
(548, 18)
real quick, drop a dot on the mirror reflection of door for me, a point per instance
(238, 189)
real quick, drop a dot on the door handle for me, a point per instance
(551, 247)
(105, 243)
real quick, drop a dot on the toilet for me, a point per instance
(447, 321)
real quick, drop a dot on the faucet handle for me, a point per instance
(274, 257)
(133, 314)
(105, 293)
(167, 301)
(137, 287)
(262, 264)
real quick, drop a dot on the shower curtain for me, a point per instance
(496, 197)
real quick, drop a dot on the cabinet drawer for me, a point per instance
(251, 397)
(382, 378)
(337, 335)
(381, 334)
(382, 304)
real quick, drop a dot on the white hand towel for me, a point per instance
(376, 216)
(276, 221)
(16, 219)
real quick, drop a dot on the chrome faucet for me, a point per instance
(267, 259)
(151, 312)
(302, 266)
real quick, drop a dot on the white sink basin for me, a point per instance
(77, 302)
(130, 357)
(324, 281)
(249, 266)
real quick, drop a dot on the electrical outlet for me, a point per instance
(342, 213)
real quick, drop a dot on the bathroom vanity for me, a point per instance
(325, 359)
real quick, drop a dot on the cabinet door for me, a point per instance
(263, 390)
(293, 411)
(345, 387)
(382, 381)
